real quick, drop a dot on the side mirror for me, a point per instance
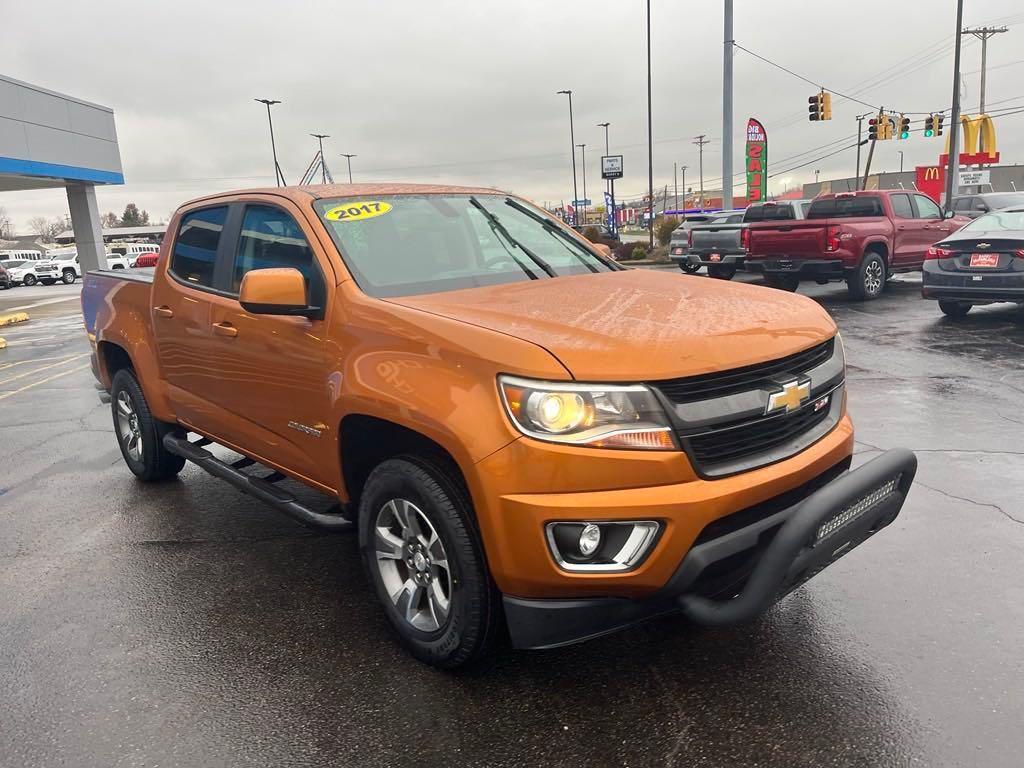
(981, 207)
(948, 214)
(280, 291)
(604, 250)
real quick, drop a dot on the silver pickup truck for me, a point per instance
(720, 244)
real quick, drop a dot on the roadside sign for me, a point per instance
(582, 203)
(611, 166)
(756, 161)
(974, 178)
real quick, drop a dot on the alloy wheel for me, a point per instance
(874, 274)
(413, 564)
(128, 428)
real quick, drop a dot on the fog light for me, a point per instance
(590, 539)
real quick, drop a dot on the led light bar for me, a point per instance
(857, 509)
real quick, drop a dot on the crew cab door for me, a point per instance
(933, 226)
(272, 382)
(908, 231)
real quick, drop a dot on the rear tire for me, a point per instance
(783, 282)
(69, 276)
(952, 308)
(28, 280)
(140, 435)
(721, 272)
(413, 515)
(867, 281)
(690, 269)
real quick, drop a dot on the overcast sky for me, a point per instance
(464, 92)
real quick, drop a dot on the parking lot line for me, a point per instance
(35, 360)
(42, 303)
(12, 393)
(44, 368)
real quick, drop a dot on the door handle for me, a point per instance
(225, 329)
(164, 311)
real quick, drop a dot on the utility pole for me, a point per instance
(953, 162)
(683, 169)
(860, 127)
(349, 158)
(675, 183)
(901, 159)
(727, 52)
(583, 147)
(871, 150)
(816, 172)
(572, 146)
(700, 142)
(323, 162)
(983, 34)
(650, 139)
(606, 150)
(278, 176)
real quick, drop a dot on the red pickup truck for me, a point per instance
(860, 237)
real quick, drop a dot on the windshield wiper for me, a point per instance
(553, 229)
(499, 229)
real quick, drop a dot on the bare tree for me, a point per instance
(109, 220)
(6, 231)
(47, 229)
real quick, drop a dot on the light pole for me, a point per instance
(278, 176)
(901, 160)
(606, 150)
(572, 146)
(700, 141)
(323, 163)
(953, 162)
(583, 147)
(817, 172)
(349, 158)
(683, 169)
(650, 140)
(727, 46)
(675, 184)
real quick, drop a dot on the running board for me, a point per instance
(269, 494)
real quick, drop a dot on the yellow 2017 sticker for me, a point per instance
(358, 210)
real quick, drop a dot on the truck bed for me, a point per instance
(132, 289)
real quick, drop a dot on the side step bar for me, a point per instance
(277, 498)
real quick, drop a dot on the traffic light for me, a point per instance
(885, 127)
(826, 106)
(815, 107)
(938, 124)
(904, 127)
(929, 126)
(873, 129)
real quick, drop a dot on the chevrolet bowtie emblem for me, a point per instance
(983, 245)
(792, 396)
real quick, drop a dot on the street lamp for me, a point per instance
(650, 139)
(349, 158)
(572, 146)
(278, 176)
(816, 172)
(323, 163)
(901, 159)
(584, 148)
(606, 150)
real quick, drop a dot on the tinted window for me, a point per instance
(961, 203)
(195, 247)
(804, 208)
(769, 213)
(901, 206)
(271, 238)
(845, 207)
(927, 208)
(1005, 201)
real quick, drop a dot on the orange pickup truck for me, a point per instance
(529, 438)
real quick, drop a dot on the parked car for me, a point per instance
(147, 259)
(973, 206)
(716, 243)
(24, 272)
(66, 262)
(132, 251)
(679, 244)
(860, 237)
(606, 233)
(525, 432)
(981, 263)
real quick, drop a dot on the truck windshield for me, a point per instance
(845, 207)
(403, 245)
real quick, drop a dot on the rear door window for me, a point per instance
(901, 207)
(195, 247)
(845, 207)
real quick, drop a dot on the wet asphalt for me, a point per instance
(186, 625)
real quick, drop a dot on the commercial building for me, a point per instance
(49, 140)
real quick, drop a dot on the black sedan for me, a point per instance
(980, 263)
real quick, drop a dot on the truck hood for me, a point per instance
(636, 325)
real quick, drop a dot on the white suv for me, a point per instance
(31, 272)
(70, 270)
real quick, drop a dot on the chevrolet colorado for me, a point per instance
(860, 237)
(524, 434)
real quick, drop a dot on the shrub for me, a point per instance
(593, 234)
(639, 252)
(663, 229)
(630, 251)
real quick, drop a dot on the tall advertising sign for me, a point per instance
(756, 162)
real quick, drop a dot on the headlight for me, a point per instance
(596, 415)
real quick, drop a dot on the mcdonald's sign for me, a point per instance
(931, 180)
(979, 146)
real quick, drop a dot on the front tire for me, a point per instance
(952, 308)
(69, 276)
(28, 280)
(688, 268)
(139, 434)
(425, 560)
(867, 281)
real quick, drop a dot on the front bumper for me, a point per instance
(979, 286)
(811, 269)
(739, 569)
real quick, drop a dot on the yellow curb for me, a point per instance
(17, 317)
(3, 344)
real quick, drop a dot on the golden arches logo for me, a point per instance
(979, 137)
(931, 173)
